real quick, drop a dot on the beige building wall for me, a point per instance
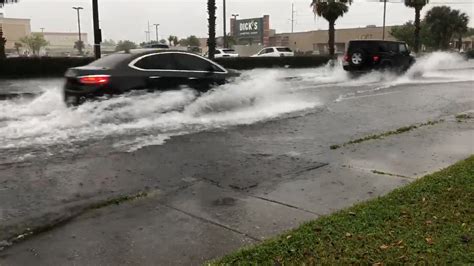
(14, 29)
(316, 41)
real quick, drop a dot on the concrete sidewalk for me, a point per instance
(213, 214)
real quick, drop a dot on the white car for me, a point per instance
(220, 53)
(275, 52)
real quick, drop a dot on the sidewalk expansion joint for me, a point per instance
(286, 205)
(211, 222)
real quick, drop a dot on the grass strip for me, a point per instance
(386, 134)
(427, 222)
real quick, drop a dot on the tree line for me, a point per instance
(437, 30)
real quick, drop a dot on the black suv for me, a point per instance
(367, 55)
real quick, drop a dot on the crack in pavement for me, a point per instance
(211, 222)
(65, 215)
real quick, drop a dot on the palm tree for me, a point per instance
(2, 2)
(460, 26)
(331, 10)
(211, 42)
(418, 6)
(170, 40)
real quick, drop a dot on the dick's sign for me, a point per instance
(250, 27)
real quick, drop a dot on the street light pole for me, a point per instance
(225, 23)
(384, 17)
(78, 9)
(97, 31)
(235, 21)
(156, 29)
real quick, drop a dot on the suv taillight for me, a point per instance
(94, 79)
(376, 58)
(346, 58)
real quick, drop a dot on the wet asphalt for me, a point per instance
(215, 191)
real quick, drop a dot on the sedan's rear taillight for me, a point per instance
(94, 79)
(346, 58)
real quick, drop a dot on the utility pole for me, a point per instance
(156, 29)
(292, 17)
(97, 31)
(78, 9)
(42, 30)
(384, 17)
(225, 23)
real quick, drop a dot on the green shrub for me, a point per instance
(271, 62)
(24, 67)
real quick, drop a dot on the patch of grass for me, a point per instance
(386, 134)
(463, 117)
(427, 222)
(335, 147)
(385, 173)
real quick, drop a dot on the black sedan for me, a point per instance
(149, 69)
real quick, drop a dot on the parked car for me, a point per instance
(221, 53)
(367, 55)
(149, 69)
(274, 52)
(157, 46)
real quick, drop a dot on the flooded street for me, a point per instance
(39, 124)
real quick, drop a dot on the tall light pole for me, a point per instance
(384, 17)
(78, 9)
(97, 31)
(225, 23)
(156, 30)
(42, 30)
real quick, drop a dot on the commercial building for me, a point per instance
(13, 30)
(62, 43)
(316, 42)
(251, 35)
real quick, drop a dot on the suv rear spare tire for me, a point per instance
(358, 57)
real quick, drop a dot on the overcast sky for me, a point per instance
(127, 19)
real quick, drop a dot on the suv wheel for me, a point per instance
(357, 58)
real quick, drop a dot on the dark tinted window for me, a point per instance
(112, 60)
(285, 49)
(218, 52)
(402, 48)
(374, 46)
(194, 63)
(229, 51)
(269, 50)
(159, 61)
(392, 47)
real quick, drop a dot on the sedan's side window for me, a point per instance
(158, 61)
(269, 50)
(194, 63)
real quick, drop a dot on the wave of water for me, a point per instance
(149, 118)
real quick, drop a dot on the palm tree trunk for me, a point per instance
(211, 42)
(3, 42)
(460, 42)
(332, 37)
(417, 29)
